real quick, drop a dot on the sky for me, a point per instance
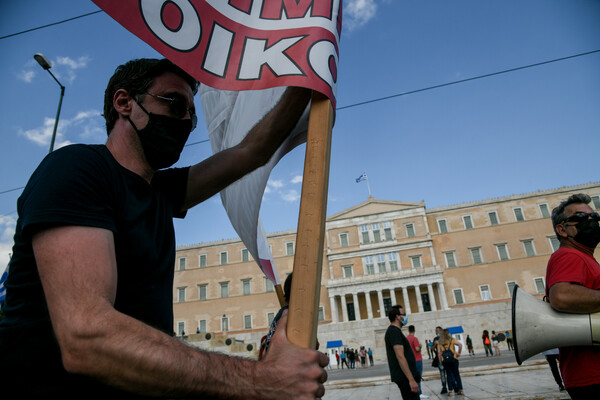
(517, 132)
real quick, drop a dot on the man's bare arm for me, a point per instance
(399, 350)
(573, 298)
(78, 271)
(222, 169)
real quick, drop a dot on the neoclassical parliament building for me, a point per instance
(452, 266)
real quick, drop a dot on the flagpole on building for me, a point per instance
(308, 260)
(368, 186)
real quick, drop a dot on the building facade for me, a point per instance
(453, 266)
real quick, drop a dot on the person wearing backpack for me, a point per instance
(449, 356)
(487, 343)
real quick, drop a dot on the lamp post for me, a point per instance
(44, 63)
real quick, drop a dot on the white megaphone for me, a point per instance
(537, 327)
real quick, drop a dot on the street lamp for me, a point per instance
(44, 63)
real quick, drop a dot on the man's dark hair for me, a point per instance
(411, 329)
(287, 288)
(136, 76)
(394, 312)
(559, 214)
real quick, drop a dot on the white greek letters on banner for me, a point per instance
(241, 44)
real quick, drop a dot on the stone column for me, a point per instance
(344, 308)
(406, 301)
(334, 310)
(381, 306)
(356, 307)
(419, 300)
(442, 294)
(369, 307)
(431, 297)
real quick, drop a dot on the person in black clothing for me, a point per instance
(401, 359)
(89, 302)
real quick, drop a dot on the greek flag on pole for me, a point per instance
(2, 288)
(361, 178)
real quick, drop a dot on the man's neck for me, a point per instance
(573, 244)
(128, 153)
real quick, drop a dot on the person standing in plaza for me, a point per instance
(470, 345)
(436, 360)
(487, 343)
(416, 348)
(573, 286)
(401, 359)
(496, 343)
(449, 356)
(370, 353)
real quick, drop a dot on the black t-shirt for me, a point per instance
(83, 185)
(394, 336)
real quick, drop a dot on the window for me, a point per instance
(245, 286)
(181, 328)
(442, 225)
(181, 294)
(381, 263)
(410, 230)
(202, 325)
(247, 321)
(393, 262)
(450, 260)
(415, 261)
(544, 210)
(245, 255)
(365, 233)
(596, 202)
(502, 251)
(376, 234)
(540, 285)
(485, 292)
(224, 324)
(476, 255)
(387, 230)
(223, 257)
(458, 296)
(468, 221)
(511, 287)
(182, 261)
(289, 249)
(554, 243)
(493, 215)
(344, 239)
(529, 249)
(270, 318)
(369, 265)
(202, 260)
(347, 271)
(269, 285)
(224, 289)
(518, 214)
(321, 316)
(202, 292)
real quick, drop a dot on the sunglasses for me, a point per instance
(581, 216)
(178, 107)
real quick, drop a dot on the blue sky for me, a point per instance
(518, 132)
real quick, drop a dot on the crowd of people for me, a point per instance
(351, 357)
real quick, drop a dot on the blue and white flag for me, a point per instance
(361, 178)
(2, 288)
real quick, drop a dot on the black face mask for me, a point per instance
(588, 233)
(163, 138)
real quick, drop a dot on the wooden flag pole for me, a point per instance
(280, 296)
(306, 281)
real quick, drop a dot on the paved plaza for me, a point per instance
(501, 382)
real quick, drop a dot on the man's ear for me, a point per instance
(561, 231)
(122, 102)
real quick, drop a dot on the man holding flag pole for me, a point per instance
(88, 310)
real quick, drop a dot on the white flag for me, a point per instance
(229, 117)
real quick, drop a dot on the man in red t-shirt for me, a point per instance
(416, 348)
(573, 286)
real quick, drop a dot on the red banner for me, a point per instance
(241, 44)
